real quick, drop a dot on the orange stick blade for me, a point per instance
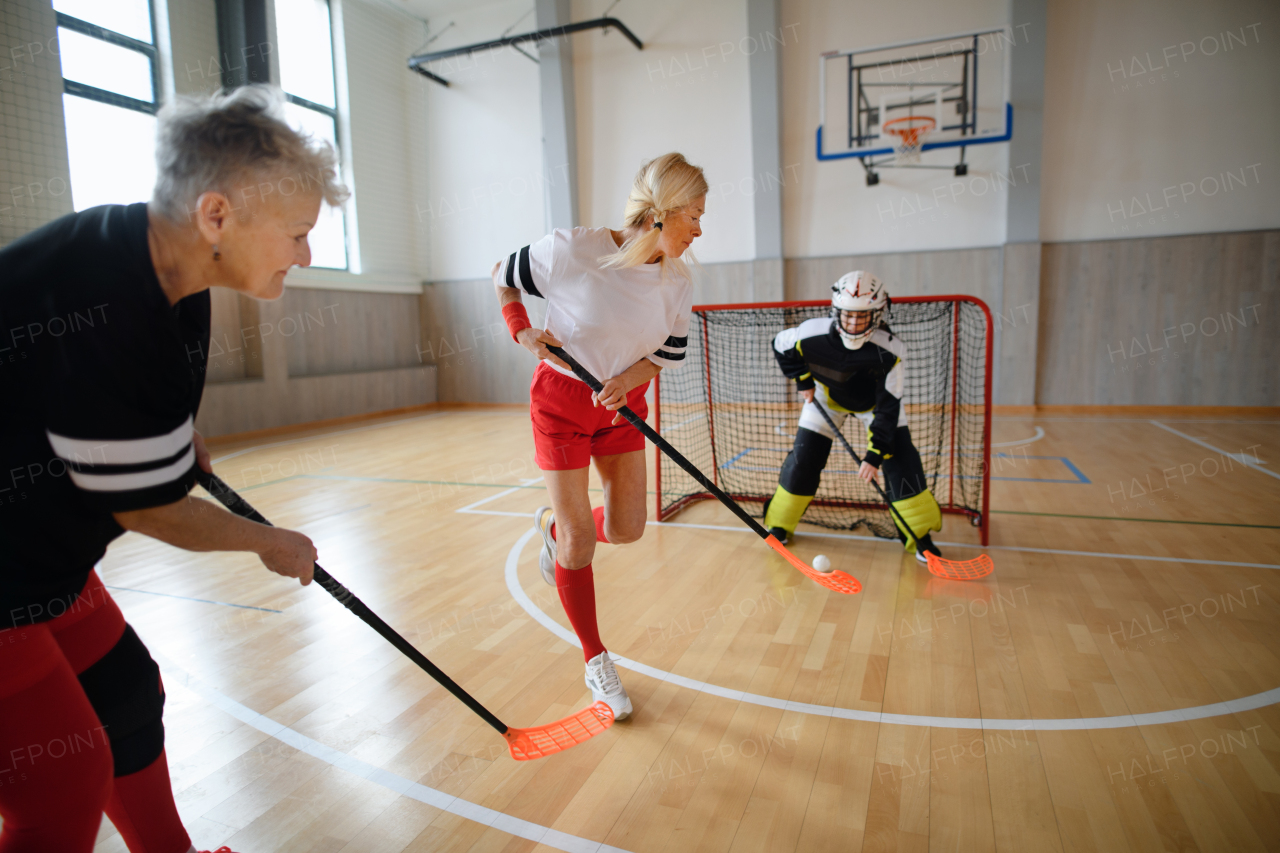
(836, 580)
(960, 570)
(541, 741)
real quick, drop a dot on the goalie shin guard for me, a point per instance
(784, 511)
(798, 482)
(921, 513)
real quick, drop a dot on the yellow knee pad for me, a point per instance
(785, 510)
(921, 512)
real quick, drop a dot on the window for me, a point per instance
(304, 37)
(110, 86)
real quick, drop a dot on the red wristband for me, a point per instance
(517, 319)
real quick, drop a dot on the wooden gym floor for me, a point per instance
(1109, 688)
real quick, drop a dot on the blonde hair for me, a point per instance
(215, 142)
(663, 186)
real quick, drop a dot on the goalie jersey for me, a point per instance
(868, 379)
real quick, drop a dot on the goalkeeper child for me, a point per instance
(852, 364)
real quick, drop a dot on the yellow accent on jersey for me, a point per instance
(921, 512)
(785, 510)
(832, 404)
(871, 445)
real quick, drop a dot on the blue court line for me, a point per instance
(1079, 475)
(189, 598)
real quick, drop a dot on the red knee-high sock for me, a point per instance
(142, 809)
(577, 588)
(598, 515)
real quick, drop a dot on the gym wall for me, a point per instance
(1162, 123)
(447, 180)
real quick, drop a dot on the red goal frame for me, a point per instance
(984, 524)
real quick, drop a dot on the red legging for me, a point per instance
(55, 760)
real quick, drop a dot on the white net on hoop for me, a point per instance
(910, 132)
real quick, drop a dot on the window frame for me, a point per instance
(92, 93)
(332, 112)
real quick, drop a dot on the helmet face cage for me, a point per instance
(858, 304)
(856, 326)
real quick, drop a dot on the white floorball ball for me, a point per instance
(821, 564)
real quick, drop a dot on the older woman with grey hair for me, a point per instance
(104, 331)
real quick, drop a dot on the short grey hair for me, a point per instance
(235, 143)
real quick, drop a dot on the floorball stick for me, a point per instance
(837, 580)
(525, 744)
(958, 570)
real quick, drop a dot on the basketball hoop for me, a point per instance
(911, 131)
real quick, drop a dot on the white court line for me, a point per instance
(470, 509)
(1242, 458)
(819, 535)
(245, 450)
(675, 427)
(1216, 709)
(413, 790)
(1039, 435)
(1112, 418)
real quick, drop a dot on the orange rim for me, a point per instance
(541, 741)
(910, 133)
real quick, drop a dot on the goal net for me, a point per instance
(730, 410)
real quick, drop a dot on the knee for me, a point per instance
(624, 532)
(575, 545)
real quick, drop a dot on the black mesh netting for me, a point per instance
(730, 410)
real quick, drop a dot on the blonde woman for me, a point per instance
(619, 301)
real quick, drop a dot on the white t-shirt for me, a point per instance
(608, 319)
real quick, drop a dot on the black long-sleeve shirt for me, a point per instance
(870, 378)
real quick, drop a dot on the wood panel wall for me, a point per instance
(337, 331)
(311, 355)
(1004, 277)
(464, 336)
(1169, 321)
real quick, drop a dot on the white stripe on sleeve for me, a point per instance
(134, 451)
(137, 479)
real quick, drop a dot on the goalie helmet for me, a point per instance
(858, 301)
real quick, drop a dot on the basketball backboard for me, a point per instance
(956, 87)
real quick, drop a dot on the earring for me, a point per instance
(217, 256)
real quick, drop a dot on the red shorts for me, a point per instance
(568, 430)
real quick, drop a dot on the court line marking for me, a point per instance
(1242, 458)
(1136, 520)
(434, 797)
(1106, 418)
(820, 535)
(1080, 478)
(1039, 435)
(1155, 718)
(189, 598)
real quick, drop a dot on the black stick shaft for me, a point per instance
(232, 501)
(662, 444)
(847, 446)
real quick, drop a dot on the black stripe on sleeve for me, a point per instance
(673, 341)
(670, 356)
(526, 274)
(511, 270)
(82, 467)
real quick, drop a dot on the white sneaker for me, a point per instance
(606, 687)
(543, 518)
